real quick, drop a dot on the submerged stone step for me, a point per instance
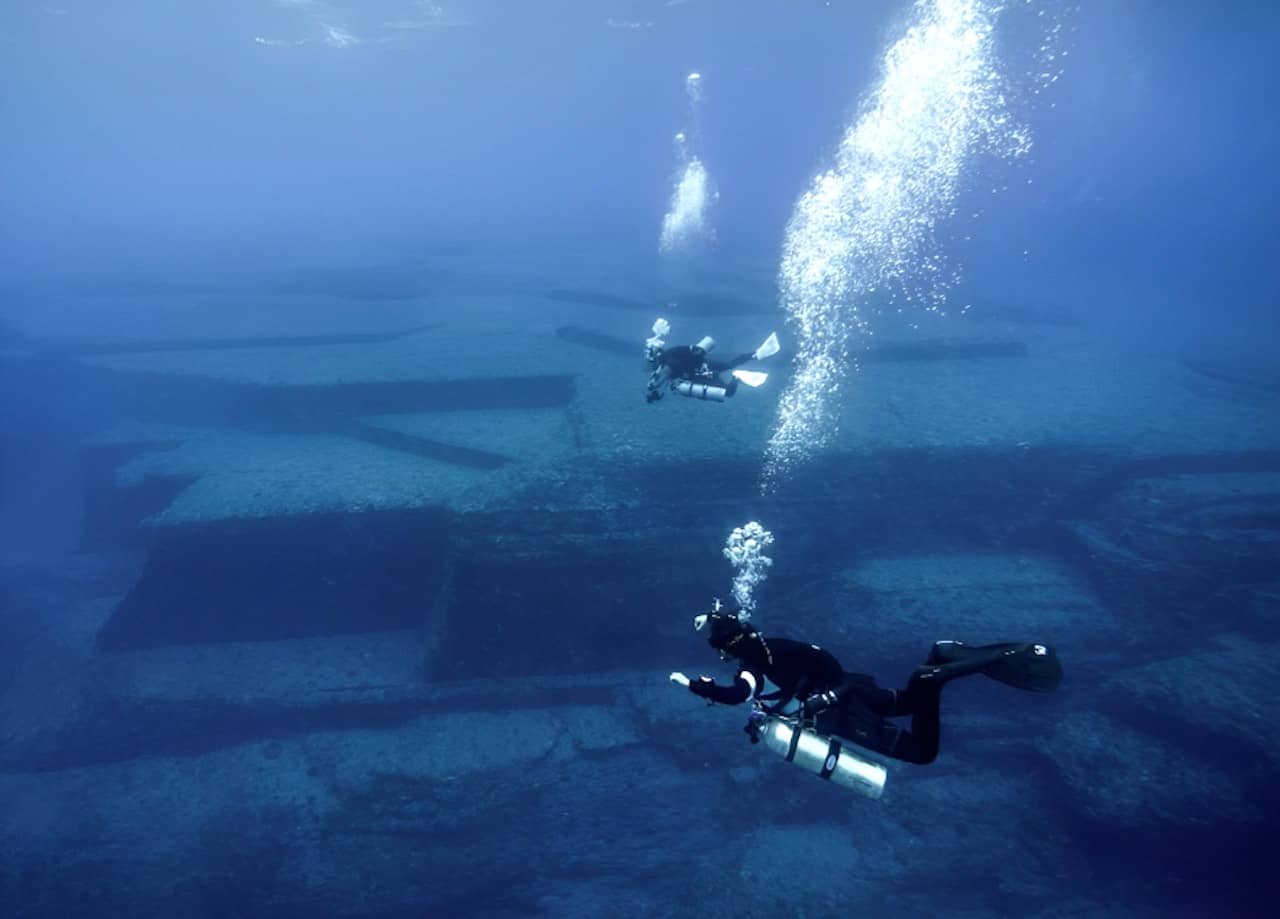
(213, 343)
(283, 577)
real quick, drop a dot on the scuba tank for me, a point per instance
(700, 390)
(826, 757)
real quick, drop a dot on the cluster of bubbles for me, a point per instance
(745, 550)
(658, 340)
(1050, 59)
(686, 224)
(867, 225)
(693, 88)
(1038, 36)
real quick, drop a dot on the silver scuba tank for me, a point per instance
(826, 757)
(701, 390)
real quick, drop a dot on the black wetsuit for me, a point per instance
(682, 362)
(860, 710)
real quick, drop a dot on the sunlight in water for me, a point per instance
(867, 224)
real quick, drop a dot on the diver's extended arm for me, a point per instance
(743, 687)
(653, 389)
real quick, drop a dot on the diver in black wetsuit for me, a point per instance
(851, 705)
(690, 371)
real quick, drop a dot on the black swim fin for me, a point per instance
(1033, 667)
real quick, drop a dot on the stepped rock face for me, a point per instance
(397, 616)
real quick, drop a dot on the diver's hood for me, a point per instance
(725, 626)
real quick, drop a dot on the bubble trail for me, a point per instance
(867, 223)
(745, 551)
(687, 225)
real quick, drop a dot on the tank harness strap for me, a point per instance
(833, 757)
(795, 744)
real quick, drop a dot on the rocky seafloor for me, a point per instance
(383, 628)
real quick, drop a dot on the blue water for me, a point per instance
(343, 564)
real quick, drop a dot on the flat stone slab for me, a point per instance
(1226, 689)
(889, 603)
(1081, 398)
(1117, 772)
(245, 474)
(1086, 394)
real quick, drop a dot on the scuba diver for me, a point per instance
(825, 699)
(687, 370)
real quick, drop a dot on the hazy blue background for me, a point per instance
(148, 144)
(154, 152)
